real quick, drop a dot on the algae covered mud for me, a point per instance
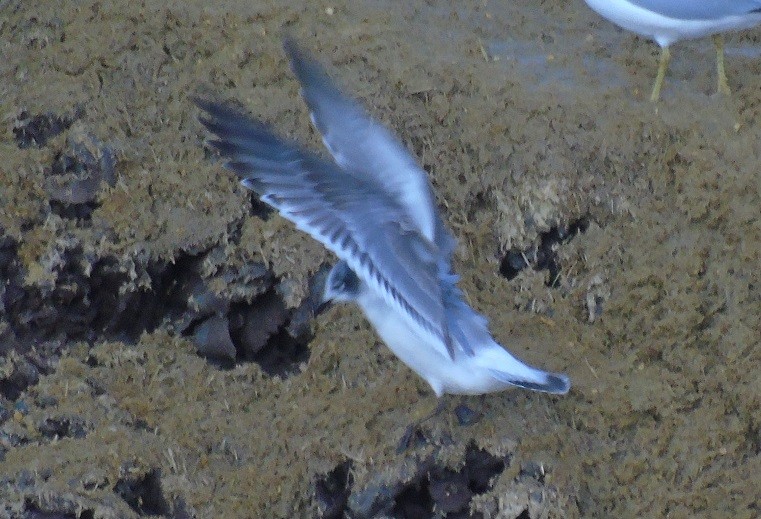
(604, 236)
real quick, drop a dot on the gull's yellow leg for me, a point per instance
(723, 84)
(662, 67)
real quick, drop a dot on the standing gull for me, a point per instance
(668, 21)
(374, 208)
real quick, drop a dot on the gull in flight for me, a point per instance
(668, 21)
(373, 206)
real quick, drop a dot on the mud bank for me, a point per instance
(158, 355)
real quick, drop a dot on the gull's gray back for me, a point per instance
(699, 9)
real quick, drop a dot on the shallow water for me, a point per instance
(529, 117)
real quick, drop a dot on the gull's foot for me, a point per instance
(723, 87)
(413, 434)
(662, 68)
(722, 83)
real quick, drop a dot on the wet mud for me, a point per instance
(159, 350)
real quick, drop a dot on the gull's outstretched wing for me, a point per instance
(362, 224)
(364, 147)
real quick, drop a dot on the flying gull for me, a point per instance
(373, 206)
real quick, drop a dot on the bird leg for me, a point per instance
(723, 84)
(409, 434)
(662, 67)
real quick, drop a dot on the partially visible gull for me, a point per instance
(374, 208)
(668, 21)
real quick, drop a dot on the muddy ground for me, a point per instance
(126, 250)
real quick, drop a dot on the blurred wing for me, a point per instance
(361, 224)
(468, 328)
(364, 147)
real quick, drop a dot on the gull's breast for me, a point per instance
(424, 353)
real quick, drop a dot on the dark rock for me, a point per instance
(8, 440)
(36, 130)
(77, 174)
(414, 500)
(482, 466)
(5, 414)
(542, 255)
(143, 493)
(260, 334)
(300, 325)
(212, 337)
(429, 487)
(466, 416)
(372, 501)
(259, 321)
(21, 407)
(450, 491)
(45, 401)
(63, 427)
(24, 374)
(532, 470)
(332, 491)
(282, 355)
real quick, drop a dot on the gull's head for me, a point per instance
(341, 285)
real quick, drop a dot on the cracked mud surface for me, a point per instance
(157, 352)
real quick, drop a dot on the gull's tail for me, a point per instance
(508, 370)
(555, 383)
(470, 331)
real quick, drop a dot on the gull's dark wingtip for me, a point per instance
(214, 109)
(290, 46)
(299, 58)
(557, 384)
(308, 71)
(296, 56)
(199, 102)
(553, 383)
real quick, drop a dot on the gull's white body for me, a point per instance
(374, 208)
(463, 375)
(668, 21)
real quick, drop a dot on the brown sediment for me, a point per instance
(125, 246)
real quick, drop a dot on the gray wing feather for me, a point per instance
(700, 9)
(349, 215)
(467, 327)
(364, 147)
